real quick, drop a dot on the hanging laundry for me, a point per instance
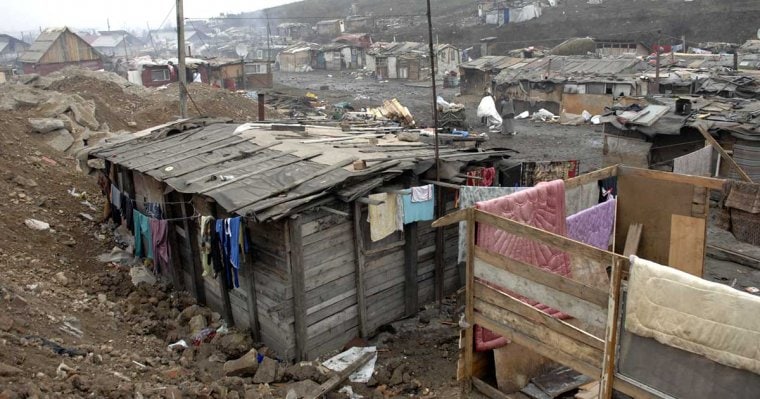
(115, 197)
(159, 233)
(607, 188)
(422, 193)
(483, 177)
(468, 196)
(218, 248)
(416, 211)
(542, 206)
(142, 231)
(153, 210)
(206, 244)
(383, 218)
(128, 212)
(593, 226)
(237, 244)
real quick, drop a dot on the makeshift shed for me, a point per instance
(607, 331)
(117, 43)
(299, 57)
(11, 48)
(477, 75)
(316, 275)
(57, 48)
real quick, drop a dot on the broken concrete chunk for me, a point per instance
(266, 372)
(84, 114)
(248, 364)
(45, 125)
(60, 140)
(197, 323)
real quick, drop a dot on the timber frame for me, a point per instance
(523, 324)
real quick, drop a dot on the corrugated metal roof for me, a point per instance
(41, 45)
(493, 62)
(569, 68)
(253, 173)
(107, 41)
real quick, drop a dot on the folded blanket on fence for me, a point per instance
(593, 226)
(742, 195)
(542, 206)
(692, 314)
(468, 196)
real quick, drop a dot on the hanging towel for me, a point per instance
(542, 206)
(422, 193)
(416, 211)
(159, 233)
(115, 197)
(697, 163)
(128, 212)
(593, 226)
(234, 232)
(142, 230)
(468, 196)
(220, 244)
(383, 218)
(206, 244)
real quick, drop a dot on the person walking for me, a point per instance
(507, 112)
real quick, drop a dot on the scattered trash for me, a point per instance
(89, 205)
(204, 336)
(35, 224)
(586, 115)
(596, 119)
(72, 326)
(74, 193)
(752, 290)
(142, 366)
(222, 330)
(86, 216)
(179, 344)
(342, 360)
(58, 349)
(393, 110)
(544, 116)
(348, 391)
(141, 274)
(122, 376)
(62, 371)
(523, 115)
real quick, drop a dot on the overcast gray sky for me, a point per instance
(28, 15)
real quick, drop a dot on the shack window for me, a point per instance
(158, 75)
(254, 69)
(260, 54)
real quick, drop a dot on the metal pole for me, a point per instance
(181, 58)
(657, 66)
(435, 95)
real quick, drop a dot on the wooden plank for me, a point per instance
(299, 291)
(582, 352)
(611, 331)
(411, 303)
(488, 390)
(687, 244)
(632, 239)
(469, 312)
(579, 308)
(723, 153)
(328, 323)
(554, 240)
(360, 266)
(342, 230)
(256, 172)
(337, 379)
(591, 177)
(452, 218)
(439, 248)
(699, 181)
(516, 306)
(253, 309)
(540, 276)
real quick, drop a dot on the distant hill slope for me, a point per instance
(455, 20)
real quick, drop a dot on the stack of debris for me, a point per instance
(393, 110)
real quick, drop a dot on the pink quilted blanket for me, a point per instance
(542, 206)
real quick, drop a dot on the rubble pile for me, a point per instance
(74, 107)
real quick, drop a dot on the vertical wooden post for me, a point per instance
(611, 334)
(359, 270)
(176, 271)
(469, 302)
(197, 270)
(253, 311)
(299, 285)
(411, 291)
(439, 246)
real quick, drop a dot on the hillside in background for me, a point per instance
(456, 21)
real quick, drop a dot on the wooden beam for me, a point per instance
(589, 312)
(369, 201)
(543, 277)
(334, 211)
(591, 177)
(555, 240)
(699, 181)
(611, 331)
(191, 241)
(338, 378)
(440, 245)
(487, 390)
(411, 291)
(451, 218)
(633, 239)
(360, 264)
(441, 184)
(295, 251)
(469, 312)
(723, 152)
(516, 306)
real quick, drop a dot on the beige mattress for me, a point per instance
(692, 314)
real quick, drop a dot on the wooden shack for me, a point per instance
(56, 49)
(314, 279)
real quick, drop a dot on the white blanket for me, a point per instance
(689, 313)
